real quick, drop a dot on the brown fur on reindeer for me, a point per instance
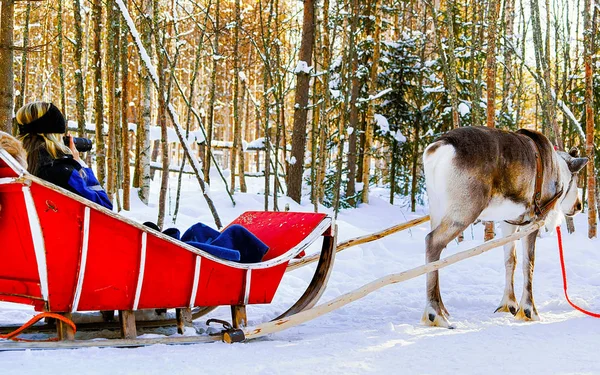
(483, 173)
(14, 148)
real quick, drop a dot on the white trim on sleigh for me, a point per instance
(83, 262)
(37, 238)
(196, 279)
(140, 281)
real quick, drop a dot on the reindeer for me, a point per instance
(510, 177)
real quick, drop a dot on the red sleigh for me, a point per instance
(62, 253)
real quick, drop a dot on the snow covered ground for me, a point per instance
(380, 333)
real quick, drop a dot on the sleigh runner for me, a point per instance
(62, 253)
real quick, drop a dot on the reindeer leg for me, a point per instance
(435, 312)
(527, 310)
(509, 302)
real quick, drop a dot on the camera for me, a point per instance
(81, 144)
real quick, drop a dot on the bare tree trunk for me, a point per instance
(98, 96)
(509, 15)
(353, 118)
(237, 128)
(242, 158)
(393, 167)
(79, 89)
(589, 29)
(491, 85)
(6, 66)
(366, 163)
(449, 61)
(213, 88)
(296, 166)
(126, 182)
(161, 120)
(146, 108)
(543, 70)
(20, 100)
(112, 74)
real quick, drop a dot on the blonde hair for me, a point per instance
(33, 143)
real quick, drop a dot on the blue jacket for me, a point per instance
(64, 172)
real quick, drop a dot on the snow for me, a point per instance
(257, 144)
(381, 332)
(382, 122)
(302, 67)
(463, 109)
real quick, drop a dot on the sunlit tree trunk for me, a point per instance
(6, 66)
(366, 163)
(543, 70)
(212, 95)
(124, 117)
(353, 109)
(491, 84)
(161, 118)
(237, 128)
(98, 93)
(146, 107)
(79, 89)
(20, 100)
(296, 167)
(589, 29)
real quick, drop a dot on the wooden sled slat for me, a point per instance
(310, 314)
(295, 264)
(108, 343)
(112, 326)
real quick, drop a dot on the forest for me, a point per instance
(323, 100)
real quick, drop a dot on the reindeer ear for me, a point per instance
(574, 152)
(576, 164)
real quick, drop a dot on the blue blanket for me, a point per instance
(235, 243)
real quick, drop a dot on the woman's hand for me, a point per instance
(73, 149)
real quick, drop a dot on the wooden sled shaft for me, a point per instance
(359, 241)
(305, 316)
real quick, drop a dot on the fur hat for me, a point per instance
(52, 121)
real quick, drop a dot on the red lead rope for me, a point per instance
(13, 335)
(564, 275)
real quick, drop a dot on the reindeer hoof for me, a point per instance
(527, 314)
(433, 319)
(506, 308)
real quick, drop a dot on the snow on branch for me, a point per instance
(375, 97)
(571, 117)
(302, 67)
(136, 37)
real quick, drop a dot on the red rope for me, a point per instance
(564, 275)
(13, 335)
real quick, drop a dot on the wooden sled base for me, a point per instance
(111, 326)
